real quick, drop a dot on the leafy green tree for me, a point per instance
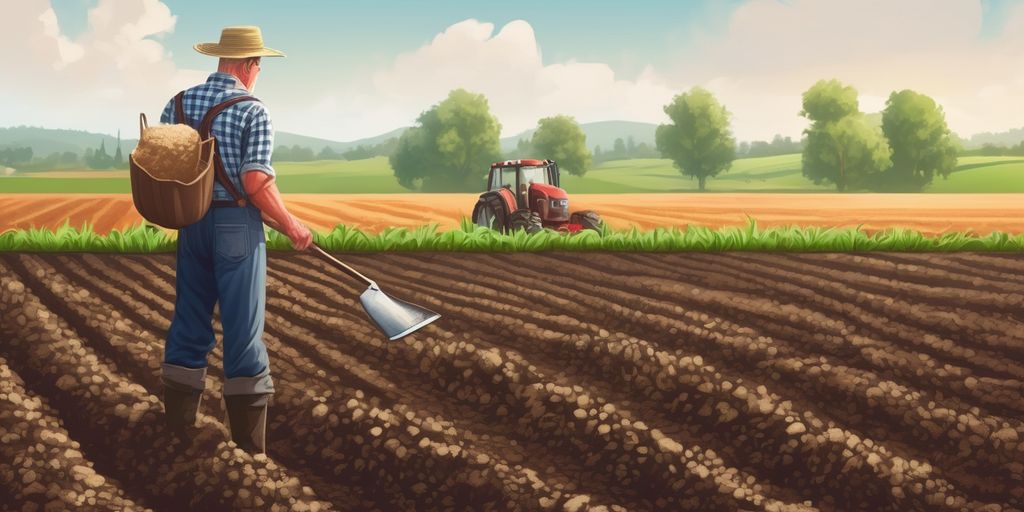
(829, 101)
(922, 145)
(452, 146)
(842, 147)
(620, 147)
(699, 140)
(561, 139)
(851, 153)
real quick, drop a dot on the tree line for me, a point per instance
(842, 148)
(23, 158)
(297, 153)
(454, 142)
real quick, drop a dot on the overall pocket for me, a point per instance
(232, 241)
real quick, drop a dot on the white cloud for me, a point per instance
(506, 67)
(772, 51)
(99, 81)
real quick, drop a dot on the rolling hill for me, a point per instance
(773, 174)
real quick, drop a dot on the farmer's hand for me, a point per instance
(300, 235)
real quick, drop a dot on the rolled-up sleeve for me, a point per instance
(166, 118)
(258, 143)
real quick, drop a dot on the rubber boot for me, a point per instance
(247, 420)
(181, 404)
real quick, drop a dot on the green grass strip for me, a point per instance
(471, 238)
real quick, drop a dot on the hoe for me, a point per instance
(395, 318)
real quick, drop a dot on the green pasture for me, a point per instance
(766, 174)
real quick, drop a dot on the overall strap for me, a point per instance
(218, 164)
(179, 108)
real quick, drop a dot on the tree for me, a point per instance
(922, 144)
(301, 153)
(561, 139)
(281, 154)
(829, 101)
(328, 154)
(851, 153)
(620, 146)
(698, 140)
(523, 147)
(99, 159)
(842, 146)
(68, 157)
(15, 155)
(452, 146)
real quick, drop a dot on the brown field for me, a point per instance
(736, 381)
(929, 213)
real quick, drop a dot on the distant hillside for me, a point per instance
(1008, 138)
(44, 141)
(601, 133)
(291, 139)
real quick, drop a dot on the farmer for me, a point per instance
(222, 257)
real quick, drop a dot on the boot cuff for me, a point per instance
(255, 385)
(194, 378)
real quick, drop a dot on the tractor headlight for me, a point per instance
(559, 203)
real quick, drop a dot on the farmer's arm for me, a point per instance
(258, 180)
(166, 116)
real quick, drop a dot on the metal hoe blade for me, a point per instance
(396, 318)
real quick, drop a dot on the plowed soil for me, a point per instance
(928, 213)
(706, 382)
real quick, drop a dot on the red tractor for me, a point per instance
(524, 194)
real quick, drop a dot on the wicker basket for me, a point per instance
(171, 203)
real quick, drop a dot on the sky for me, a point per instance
(359, 68)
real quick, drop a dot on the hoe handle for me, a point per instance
(341, 265)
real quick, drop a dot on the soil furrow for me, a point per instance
(987, 365)
(118, 422)
(518, 343)
(975, 274)
(39, 451)
(989, 330)
(279, 308)
(559, 381)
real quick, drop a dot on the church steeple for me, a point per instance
(118, 158)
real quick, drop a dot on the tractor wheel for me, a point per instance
(489, 212)
(589, 219)
(524, 219)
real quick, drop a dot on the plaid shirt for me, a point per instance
(245, 137)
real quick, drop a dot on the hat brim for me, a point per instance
(216, 50)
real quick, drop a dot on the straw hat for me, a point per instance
(238, 43)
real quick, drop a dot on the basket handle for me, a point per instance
(143, 123)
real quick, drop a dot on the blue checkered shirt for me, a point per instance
(245, 137)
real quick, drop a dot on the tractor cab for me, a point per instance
(534, 185)
(519, 175)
